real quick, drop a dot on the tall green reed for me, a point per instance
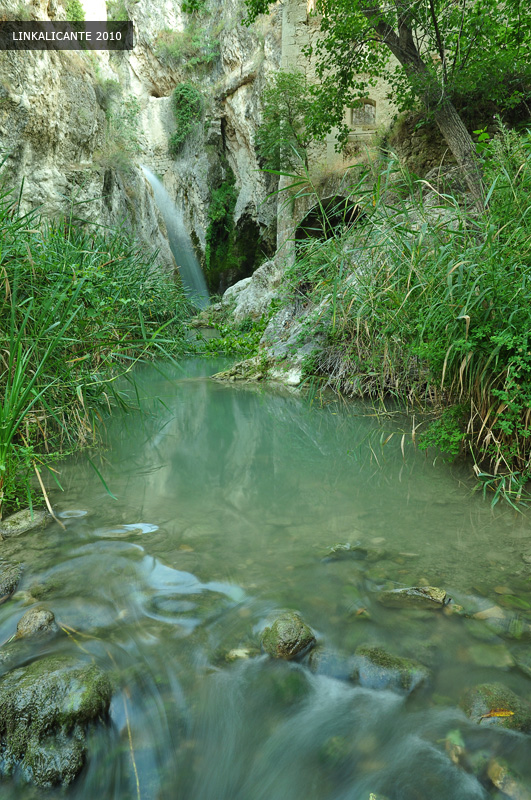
(79, 308)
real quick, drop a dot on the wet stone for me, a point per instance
(37, 622)
(45, 710)
(484, 704)
(9, 578)
(324, 661)
(23, 521)
(414, 597)
(288, 637)
(375, 668)
(506, 780)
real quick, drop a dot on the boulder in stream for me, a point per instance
(493, 704)
(375, 668)
(38, 621)
(414, 597)
(288, 637)
(9, 578)
(45, 709)
(506, 780)
(23, 521)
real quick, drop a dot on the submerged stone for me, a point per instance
(45, 709)
(37, 622)
(324, 661)
(288, 637)
(346, 550)
(507, 781)
(377, 669)
(493, 704)
(9, 578)
(414, 597)
(23, 521)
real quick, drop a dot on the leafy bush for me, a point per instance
(75, 11)
(430, 303)
(187, 104)
(117, 11)
(282, 140)
(78, 309)
(193, 49)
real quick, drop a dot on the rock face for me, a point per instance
(288, 637)
(45, 709)
(486, 704)
(252, 296)
(76, 126)
(414, 597)
(378, 669)
(23, 521)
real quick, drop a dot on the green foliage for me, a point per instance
(220, 231)
(443, 52)
(117, 11)
(241, 340)
(122, 142)
(78, 309)
(193, 6)
(422, 301)
(283, 138)
(187, 104)
(75, 11)
(194, 49)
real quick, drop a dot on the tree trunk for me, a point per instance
(460, 143)
(450, 124)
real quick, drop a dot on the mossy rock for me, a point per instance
(377, 669)
(414, 597)
(45, 709)
(324, 661)
(37, 622)
(481, 701)
(24, 521)
(288, 637)
(9, 578)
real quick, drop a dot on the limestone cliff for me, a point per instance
(75, 126)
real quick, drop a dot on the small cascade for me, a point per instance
(181, 246)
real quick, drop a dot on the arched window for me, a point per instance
(363, 115)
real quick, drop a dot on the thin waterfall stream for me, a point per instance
(181, 246)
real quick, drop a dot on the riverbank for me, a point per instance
(80, 306)
(419, 300)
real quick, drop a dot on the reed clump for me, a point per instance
(429, 301)
(78, 308)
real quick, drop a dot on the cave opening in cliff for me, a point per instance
(328, 218)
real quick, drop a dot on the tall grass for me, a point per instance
(431, 303)
(77, 309)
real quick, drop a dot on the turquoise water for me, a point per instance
(227, 501)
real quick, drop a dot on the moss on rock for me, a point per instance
(287, 637)
(378, 669)
(481, 701)
(45, 709)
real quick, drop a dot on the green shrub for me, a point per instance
(117, 11)
(193, 49)
(187, 104)
(75, 11)
(79, 309)
(428, 302)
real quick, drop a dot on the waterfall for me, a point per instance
(181, 246)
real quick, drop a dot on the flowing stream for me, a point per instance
(227, 501)
(180, 244)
